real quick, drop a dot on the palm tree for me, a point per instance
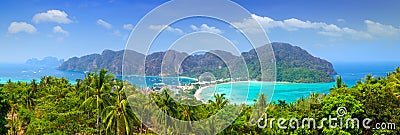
(98, 93)
(219, 103)
(28, 98)
(118, 116)
(34, 85)
(167, 104)
(44, 81)
(188, 114)
(394, 82)
(259, 107)
(143, 107)
(78, 85)
(12, 92)
(29, 95)
(4, 108)
(339, 82)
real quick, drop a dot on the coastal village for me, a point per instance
(195, 86)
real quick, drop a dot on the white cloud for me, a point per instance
(16, 27)
(333, 30)
(205, 27)
(341, 20)
(167, 28)
(104, 24)
(58, 29)
(128, 26)
(293, 24)
(252, 26)
(52, 16)
(378, 29)
(117, 33)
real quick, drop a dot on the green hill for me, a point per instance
(293, 64)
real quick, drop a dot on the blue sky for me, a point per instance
(340, 30)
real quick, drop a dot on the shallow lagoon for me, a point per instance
(246, 92)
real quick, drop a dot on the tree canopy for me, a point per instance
(98, 104)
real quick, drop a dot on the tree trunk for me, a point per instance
(141, 126)
(98, 125)
(165, 125)
(88, 115)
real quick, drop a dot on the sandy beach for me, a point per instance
(198, 91)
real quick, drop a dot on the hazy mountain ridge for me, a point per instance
(45, 62)
(293, 64)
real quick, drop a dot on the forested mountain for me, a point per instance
(110, 60)
(293, 64)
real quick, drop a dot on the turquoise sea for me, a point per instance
(25, 73)
(351, 73)
(246, 92)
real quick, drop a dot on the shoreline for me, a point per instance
(198, 91)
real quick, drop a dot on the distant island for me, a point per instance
(293, 63)
(45, 62)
